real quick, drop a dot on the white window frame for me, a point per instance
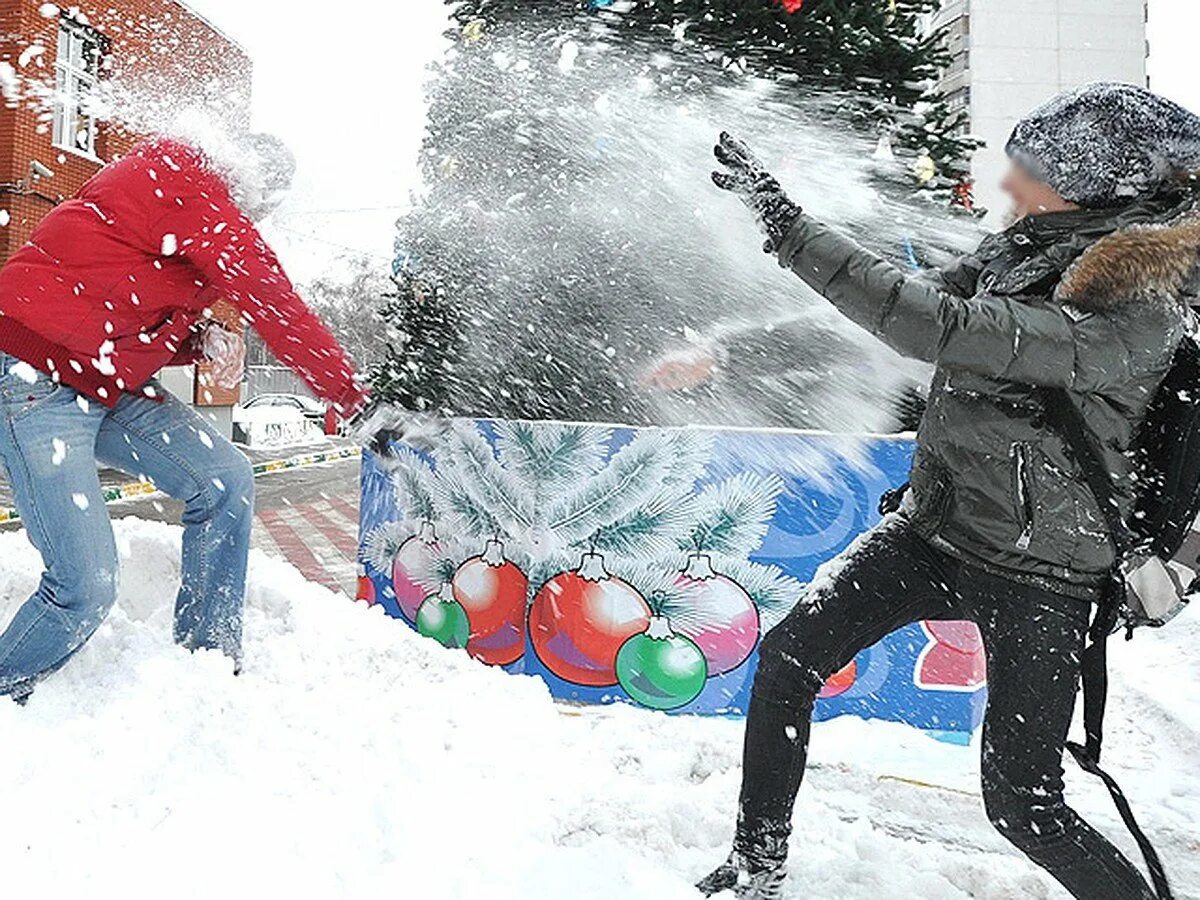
(76, 74)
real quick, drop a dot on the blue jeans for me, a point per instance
(51, 439)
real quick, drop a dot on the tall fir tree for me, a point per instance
(877, 58)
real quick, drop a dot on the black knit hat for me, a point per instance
(1106, 144)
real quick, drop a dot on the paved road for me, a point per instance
(307, 516)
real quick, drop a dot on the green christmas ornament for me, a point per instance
(661, 669)
(442, 618)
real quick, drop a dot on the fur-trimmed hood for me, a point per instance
(1135, 263)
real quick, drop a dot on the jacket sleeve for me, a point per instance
(209, 230)
(995, 337)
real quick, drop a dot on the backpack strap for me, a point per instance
(1065, 416)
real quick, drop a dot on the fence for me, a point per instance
(272, 380)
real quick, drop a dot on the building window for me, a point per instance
(76, 71)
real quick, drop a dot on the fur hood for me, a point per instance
(1135, 263)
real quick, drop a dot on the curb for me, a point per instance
(140, 489)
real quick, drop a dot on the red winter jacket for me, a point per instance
(109, 287)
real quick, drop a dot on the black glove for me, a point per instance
(757, 188)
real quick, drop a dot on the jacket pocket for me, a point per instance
(1023, 493)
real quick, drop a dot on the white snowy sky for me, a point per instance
(351, 106)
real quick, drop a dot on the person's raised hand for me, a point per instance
(745, 176)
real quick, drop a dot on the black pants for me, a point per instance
(1034, 641)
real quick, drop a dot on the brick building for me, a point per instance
(154, 54)
(62, 69)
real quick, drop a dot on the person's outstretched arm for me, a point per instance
(991, 336)
(208, 229)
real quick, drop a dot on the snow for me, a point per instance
(24, 372)
(353, 758)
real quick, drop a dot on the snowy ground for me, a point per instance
(354, 759)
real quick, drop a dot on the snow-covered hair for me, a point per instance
(1106, 144)
(257, 168)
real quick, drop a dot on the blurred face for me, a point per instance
(1031, 197)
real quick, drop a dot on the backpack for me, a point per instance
(1158, 551)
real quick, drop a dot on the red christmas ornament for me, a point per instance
(415, 555)
(840, 682)
(494, 593)
(366, 588)
(722, 618)
(955, 660)
(792, 6)
(580, 620)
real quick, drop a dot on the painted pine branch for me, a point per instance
(384, 541)
(652, 532)
(487, 482)
(734, 515)
(548, 457)
(412, 482)
(633, 477)
(459, 512)
(773, 592)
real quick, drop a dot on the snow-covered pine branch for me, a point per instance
(735, 514)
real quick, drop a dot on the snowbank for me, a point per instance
(355, 759)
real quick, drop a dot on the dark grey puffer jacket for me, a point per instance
(1090, 301)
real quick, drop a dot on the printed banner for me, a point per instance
(644, 565)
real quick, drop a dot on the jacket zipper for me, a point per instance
(1023, 489)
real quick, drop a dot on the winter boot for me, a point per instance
(746, 879)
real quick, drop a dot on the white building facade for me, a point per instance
(1012, 55)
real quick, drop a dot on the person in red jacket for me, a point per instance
(114, 285)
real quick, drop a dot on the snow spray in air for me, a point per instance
(570, 230)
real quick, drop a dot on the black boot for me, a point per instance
(746, 879)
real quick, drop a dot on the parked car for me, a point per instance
(311, 409)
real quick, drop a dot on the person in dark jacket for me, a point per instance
(1086, 292)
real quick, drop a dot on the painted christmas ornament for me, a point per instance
(416, 555)
(580, 620)
(722, 618)
(955, 659)
(494, 592)
(366, 588)
(442, 618)
(840, 682)
(661, 669)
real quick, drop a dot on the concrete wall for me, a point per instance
(1022, 52)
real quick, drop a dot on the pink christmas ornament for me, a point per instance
(415, 556)
(721, 617)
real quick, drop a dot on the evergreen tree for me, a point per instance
(874, 54)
